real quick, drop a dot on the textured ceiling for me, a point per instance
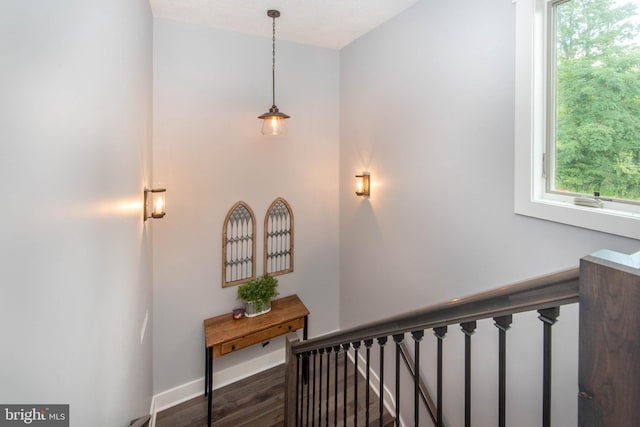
(327, 23)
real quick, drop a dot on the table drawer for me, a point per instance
(261, 336)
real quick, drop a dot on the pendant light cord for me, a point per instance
(273, 65)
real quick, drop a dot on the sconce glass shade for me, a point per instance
(273, 122)
(364, 184)
(154, 203)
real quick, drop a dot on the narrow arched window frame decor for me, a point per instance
(278, 238)
(238, 245)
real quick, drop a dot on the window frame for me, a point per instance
(532, 197)
(270, 240)
(248, 236)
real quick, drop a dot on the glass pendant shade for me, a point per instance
(273, 122)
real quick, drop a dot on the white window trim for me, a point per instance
(531, 198)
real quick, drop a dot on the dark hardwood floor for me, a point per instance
(259, 401)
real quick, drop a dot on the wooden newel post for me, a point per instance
(609, 367)
(290, 381)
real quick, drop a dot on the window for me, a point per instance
(578, 113)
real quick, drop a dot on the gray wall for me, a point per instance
(427, 106)
(209, 87)
(424, 102)
(75, 269)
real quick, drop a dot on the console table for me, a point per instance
(224, 334)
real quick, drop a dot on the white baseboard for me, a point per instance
(182, 393)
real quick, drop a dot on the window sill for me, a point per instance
(607, 220)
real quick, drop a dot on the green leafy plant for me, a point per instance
(259, 291)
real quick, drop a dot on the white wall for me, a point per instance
(209, 87)
(75, 154)
(427, 105)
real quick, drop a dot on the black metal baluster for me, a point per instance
(298, 397)
(398, 339)
(305, 362)
(328, 388)
(336, 350)
(502, 323)
(356, 347)
(206, 370)
(382, 341)
(469, 329)
(321, 355)
(302, 391)
(313, 401)
(417, 337)
(440, 333)
(345, 347)
(549, 316)
(367, 344)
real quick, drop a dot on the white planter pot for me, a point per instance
(251, 311)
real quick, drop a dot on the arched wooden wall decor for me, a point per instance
(238, 246)
(278, 238)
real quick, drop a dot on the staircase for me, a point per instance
(608, 294)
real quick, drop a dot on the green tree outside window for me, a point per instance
(597, 100)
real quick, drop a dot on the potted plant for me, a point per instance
(257, 295)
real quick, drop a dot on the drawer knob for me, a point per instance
(233, 347)
(290, 327)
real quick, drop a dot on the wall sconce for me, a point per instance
(364, 184)
(154, 202)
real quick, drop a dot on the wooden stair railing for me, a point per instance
(536, 294)
(606, 286)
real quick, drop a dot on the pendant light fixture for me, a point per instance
(273, 121)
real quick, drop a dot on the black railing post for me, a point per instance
(549, 316)
(328, 388)
(503, 323)
(398, 339)
(440, 334)
(313, 401)
(305, 379)
(382, 341)
(336, 351)
(367, 345)
(417, 337)
(321, 356)
(469, 329)
(206, 370)
(298, 397)
(345, 347)
(356, 347)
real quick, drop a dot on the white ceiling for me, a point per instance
(326, 23)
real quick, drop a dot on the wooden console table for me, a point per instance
(224, 334)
